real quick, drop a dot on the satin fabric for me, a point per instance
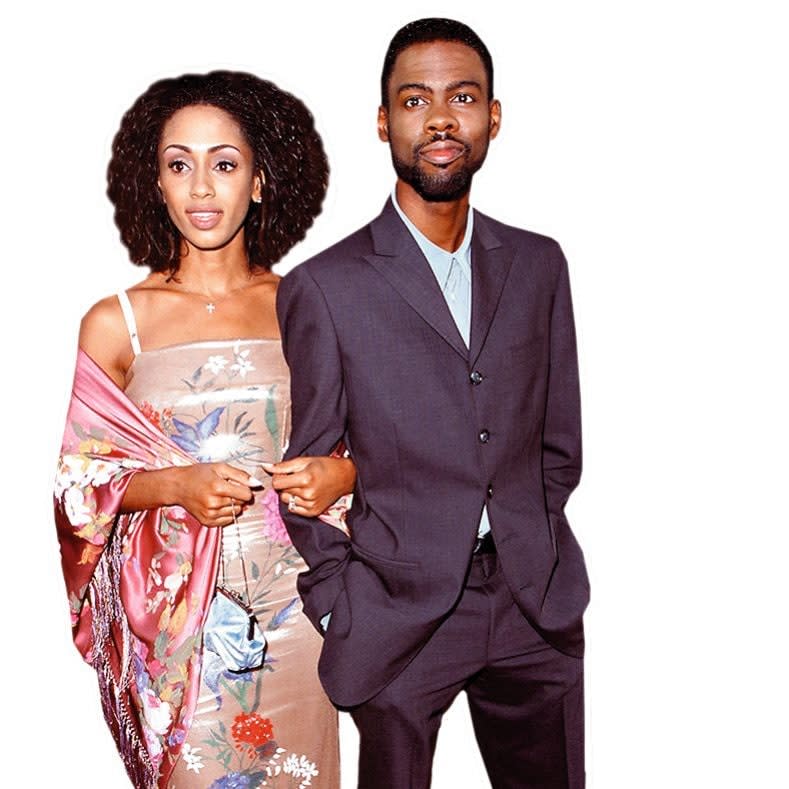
(139, 585)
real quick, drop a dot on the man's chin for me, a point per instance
(441, 188)
(443, 196)
(435, 187)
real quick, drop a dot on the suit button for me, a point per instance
(476, 377)
(484, 435)
(490, 491)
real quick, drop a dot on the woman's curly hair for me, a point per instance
(287, 149)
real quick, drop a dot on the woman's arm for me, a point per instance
(316, 482)
(211, 492)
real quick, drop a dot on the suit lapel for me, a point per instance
(490, 265)
(398, 258)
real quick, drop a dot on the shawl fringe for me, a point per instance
(108, 615)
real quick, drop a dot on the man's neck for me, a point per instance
(444, 223)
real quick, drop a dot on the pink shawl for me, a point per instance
(139, 584)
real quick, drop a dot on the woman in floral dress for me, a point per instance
(180, 407)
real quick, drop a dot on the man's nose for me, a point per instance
(440, 119)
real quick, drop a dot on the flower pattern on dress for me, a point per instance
(157, 418)
(242, 364)
(300, 767)
(244, 428)
(215, 364)
(252, 729)
(273, 525)
(191, 755)
(193, 438)
(232, 781)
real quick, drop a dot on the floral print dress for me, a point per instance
(274, 727)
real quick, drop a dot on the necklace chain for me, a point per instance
(210, 306)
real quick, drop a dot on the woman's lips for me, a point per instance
(442, 153)
(204, 219)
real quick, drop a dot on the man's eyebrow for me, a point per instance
(461, 83)
(414, 86)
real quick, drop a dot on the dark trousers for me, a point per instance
(525, 697)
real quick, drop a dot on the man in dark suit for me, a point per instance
(438, 344)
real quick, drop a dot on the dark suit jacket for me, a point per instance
(436, 431)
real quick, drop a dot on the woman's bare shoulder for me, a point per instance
(264, 290)
(104, 337)
(107, 311)
(264, 287)
(266, 280)
(104, 317)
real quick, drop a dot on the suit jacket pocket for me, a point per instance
(374, 559)
(369, 575)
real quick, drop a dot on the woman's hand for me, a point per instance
(211, 492)
(310, 485)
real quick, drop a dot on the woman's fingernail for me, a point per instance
(254, 482)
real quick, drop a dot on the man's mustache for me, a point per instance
(441, 137)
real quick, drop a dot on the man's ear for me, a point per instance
(383, 124)
(495, 118)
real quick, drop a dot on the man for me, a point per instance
(438, 344)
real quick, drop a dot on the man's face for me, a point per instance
(440, 119)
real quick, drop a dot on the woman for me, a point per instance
(181, 396)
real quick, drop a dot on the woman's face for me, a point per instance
(207, 176)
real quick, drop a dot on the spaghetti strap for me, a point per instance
(131, 324)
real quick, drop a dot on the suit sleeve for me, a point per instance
(319, 412)
(561, 456)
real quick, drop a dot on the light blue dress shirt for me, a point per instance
(455, 285)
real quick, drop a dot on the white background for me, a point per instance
(651, 140)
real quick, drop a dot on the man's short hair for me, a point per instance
(424, 31)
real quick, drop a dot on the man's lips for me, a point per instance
(204, 218)
(442, 152)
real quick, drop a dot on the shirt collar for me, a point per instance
(439, 258)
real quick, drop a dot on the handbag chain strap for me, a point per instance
(223, 579)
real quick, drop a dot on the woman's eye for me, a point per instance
(226, 166)
(177, 166)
